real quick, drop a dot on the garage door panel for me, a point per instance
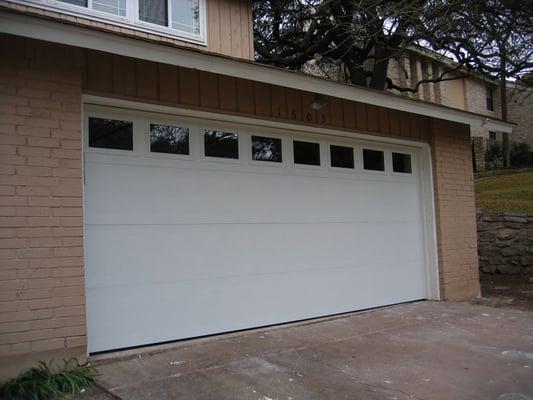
(234, 303)
(189, 246)
(125, 194)
(221, 250)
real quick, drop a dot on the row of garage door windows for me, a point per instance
(118, 135)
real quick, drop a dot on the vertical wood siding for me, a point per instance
(111, 75)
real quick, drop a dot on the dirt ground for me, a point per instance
(506, 291)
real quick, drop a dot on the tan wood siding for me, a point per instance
(229, 27)
(122, 77)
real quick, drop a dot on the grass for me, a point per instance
(507, 193)
(44, 382)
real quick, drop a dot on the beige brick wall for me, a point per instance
(42, 301)
(455, 210)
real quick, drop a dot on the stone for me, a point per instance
(506, 269)
(486, 236)
(505, 234)
(527, 260)
(513, 251)
(489, 269)
(522, 219)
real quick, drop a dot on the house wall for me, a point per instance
(41, 246)
(520, 111)
(42, 292)
(229, 27)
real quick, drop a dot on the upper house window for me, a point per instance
(181, 18)
(489, 97)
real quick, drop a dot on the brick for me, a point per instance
(13, 243)
(35, 232)
(43, 221)
(24, 130)
(45, 242)
(12, 221)
(12, 139)
(7, 190)
(14, 160)
(13, 200)
(7, 150)
(67, 212)
(42, 162)
(34, 151)
(43, 142)
(33, 211)
(7, 232)
(34, 191)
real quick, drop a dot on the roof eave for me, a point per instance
(60, 32)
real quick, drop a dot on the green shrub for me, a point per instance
(44, 382)
(494, 155)
(521, 155)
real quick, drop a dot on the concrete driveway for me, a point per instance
(425, 350)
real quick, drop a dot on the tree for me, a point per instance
(493, 38)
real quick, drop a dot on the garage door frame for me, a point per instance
(425, 165)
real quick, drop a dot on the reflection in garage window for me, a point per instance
(306, 153)
(110, 134)
(341, 156)
(221, 144)
(401, 163)
(266, 149)
(169, 139)
(373, 160)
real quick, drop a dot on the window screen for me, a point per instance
(154, 11)
(81, 3)
(116, 7)
(373, 160)
(186, 15)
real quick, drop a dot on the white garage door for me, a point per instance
(196, 227)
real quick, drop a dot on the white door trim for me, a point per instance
(425, 167)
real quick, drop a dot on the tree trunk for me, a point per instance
(503, 104)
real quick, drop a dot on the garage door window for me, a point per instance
(221, 144)
(306, 153)
(341, 156)
(110, 134)
(266, 149)
(373, 160)
(169, 139)
(401, 163)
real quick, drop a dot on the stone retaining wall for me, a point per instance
(505, 243)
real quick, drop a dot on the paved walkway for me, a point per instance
(426, 350)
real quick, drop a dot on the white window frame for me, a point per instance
(130, 20)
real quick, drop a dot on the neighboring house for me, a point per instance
(520, 110)
(465, 92)
(157, 184)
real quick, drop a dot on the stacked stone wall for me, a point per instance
(505, 243)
